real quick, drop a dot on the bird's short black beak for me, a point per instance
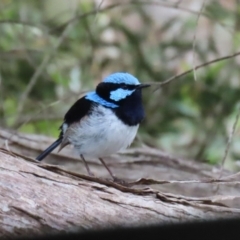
(143, 85)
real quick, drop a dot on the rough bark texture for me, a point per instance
(41, 198)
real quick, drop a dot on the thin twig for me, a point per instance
(169, 80)
(6, 145)
(39, 116)
(194, 42)
(40, 69)
(97, 10)
(229, 141)
(35, 117)
(134, 2)
(25, 23)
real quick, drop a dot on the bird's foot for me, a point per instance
(120, 181)
(90, 174)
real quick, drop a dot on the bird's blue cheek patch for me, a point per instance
(93, 96)
(120, 94)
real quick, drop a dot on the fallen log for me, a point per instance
(39, 198)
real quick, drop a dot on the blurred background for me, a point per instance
(52, 51)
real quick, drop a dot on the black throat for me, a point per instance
(130, 110)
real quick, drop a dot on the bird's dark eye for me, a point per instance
(124, 87)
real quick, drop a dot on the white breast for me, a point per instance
(100, 134)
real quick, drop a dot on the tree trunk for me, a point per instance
(41, 198)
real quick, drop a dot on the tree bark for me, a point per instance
(39, 198)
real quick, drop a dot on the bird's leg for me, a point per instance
(108, 169)
(87, 167)
(115, 179)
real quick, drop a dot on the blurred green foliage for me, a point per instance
(74, 44)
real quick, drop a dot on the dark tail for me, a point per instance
(49, 149)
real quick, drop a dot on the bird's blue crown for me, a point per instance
(121, 78)
(114, 88)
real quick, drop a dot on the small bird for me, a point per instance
(104, 121)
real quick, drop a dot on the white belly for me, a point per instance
(101, 134)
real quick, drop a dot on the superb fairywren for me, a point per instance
(104, 121)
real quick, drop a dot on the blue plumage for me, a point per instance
(93, 96)
(104, 121)
(121, 78)
(120, 94)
